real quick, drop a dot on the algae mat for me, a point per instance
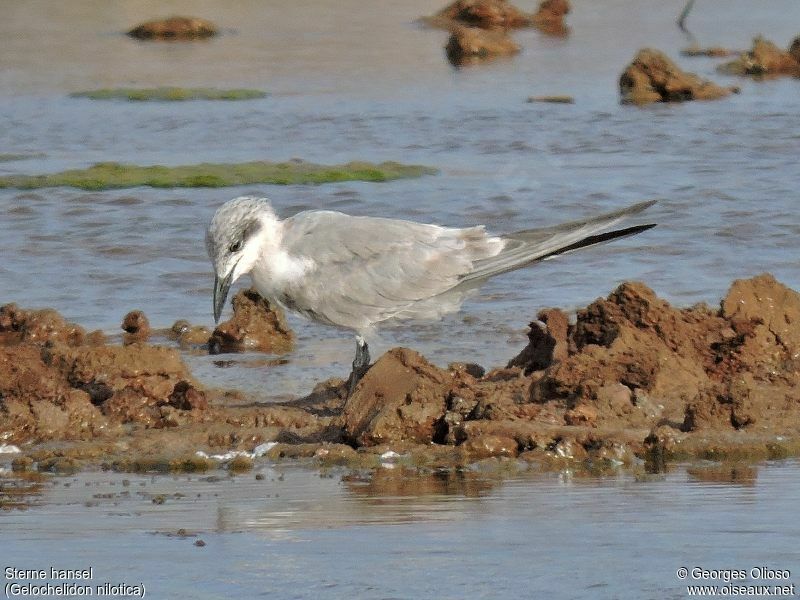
(111, 175)
(169, 94)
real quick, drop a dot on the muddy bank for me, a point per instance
(629, 379)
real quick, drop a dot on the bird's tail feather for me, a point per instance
(531, 245)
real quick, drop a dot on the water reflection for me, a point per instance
(387, 486)
(296, 531)
(21, 490)
(736, 474)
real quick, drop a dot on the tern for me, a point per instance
(357, 272)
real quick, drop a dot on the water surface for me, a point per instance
(295, 534)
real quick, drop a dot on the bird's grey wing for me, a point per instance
(530, 245)
(368, 269)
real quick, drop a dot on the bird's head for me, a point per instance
(234, 241)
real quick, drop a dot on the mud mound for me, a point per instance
(39, 326)
(136, 327)
(404, 398)
(487, 14)
(652, 77)
(256, 326)
(57, 383)
(400, 398)
(188, 335)
(765, 59)
(635, 361)
(174, 28)
(502, 15)
(770, 313)
(549, 18)
(632, 358)
(472, 44)
(129, 384)
(37, 403)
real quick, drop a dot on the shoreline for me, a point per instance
(633, 383)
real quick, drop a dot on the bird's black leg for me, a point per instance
(360, 364)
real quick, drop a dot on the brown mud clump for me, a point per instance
(256, 326)
(472, 44)
(56, 383)
(765, 59)
(547, 341)
(501, 15)
(400, 398)
(635, 361)
(653, 77)
(486, 14)
(549, 18)
(136, 327)
(40, 326)
(187, 334)
(174, 28)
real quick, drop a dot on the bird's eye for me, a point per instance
(235, 246)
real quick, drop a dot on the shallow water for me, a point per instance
(349, 83)
(296, 534)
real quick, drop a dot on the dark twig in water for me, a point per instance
(684, 14)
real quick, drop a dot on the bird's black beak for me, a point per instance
(221, 287)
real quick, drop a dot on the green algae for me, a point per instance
(240, 464)
(59, 464)
(112, 175)
(161, 464)
(9, 157)
(169, 94)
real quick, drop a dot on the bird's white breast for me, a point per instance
(274, 273)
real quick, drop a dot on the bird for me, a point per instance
(358, 272)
